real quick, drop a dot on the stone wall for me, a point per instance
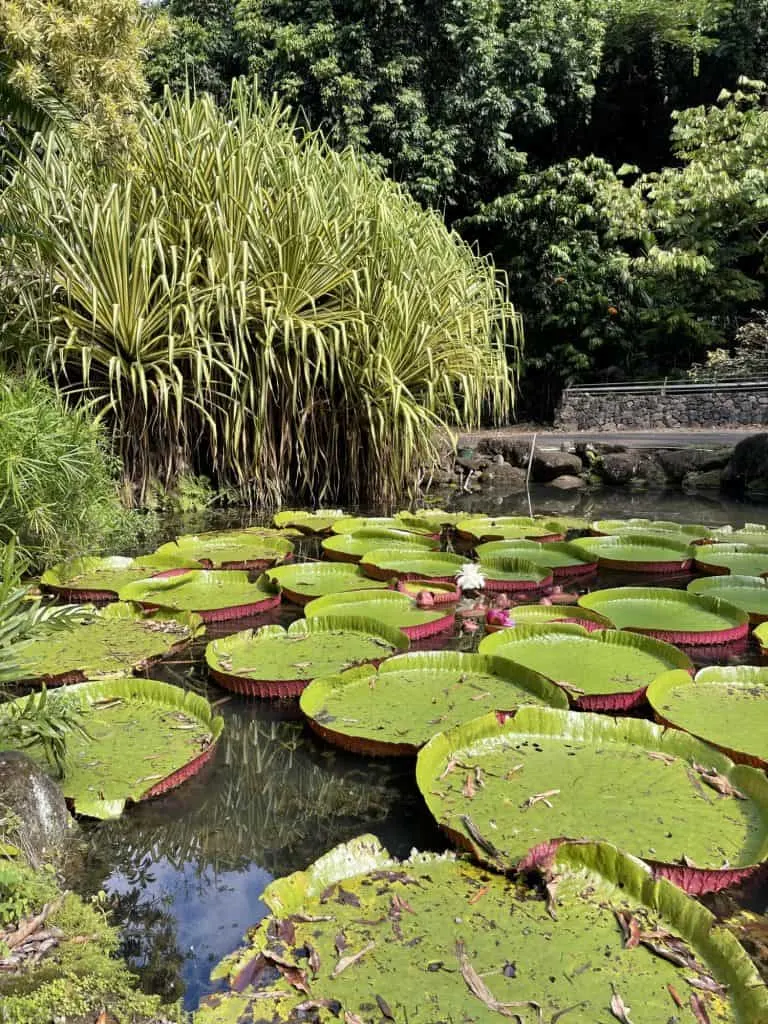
(725, 405)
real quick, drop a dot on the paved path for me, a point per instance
(628, 438)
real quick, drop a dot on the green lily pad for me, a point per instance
(215, 594)
(321, 521)
(350, 547)
(118, 638)
(304, 581)
(564, 524)
(502, 573)
(352, 524)
(277, 662)
(739, 559)
(724, 705)
(538, 614)
(100, 579)
(388, 606)
(395, 710)
(386, 563)
(605, 670)
(442, 593)
(485, 528)
(750, 593)
(755, 534)
(238, 549)
(549, 773)
(435, 938)
(144, 738)
(637, 552)
(561, 557)
(683, 531)
(431, 519)
(673, 615)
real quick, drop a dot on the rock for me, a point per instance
(706, 479)
(567, 483)
(511, 478)
(748, 466)
(548, 465)
(618, 469)
(32, 806)
(650, 472)
(678, 463)
(515, 452)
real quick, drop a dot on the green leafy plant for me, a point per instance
(288, 318)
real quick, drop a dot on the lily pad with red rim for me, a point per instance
(604, 670)
(393, 711)
(230, 549)
(676, 616)
(540, 614)
(216, 595)
(353, 524)
(516, 575)
(321, 521)
(688, 532)
(761, 635)
(442, 593)
(389, 563)
(277, 662)
(750, 593)
(637, 552)
(724, 705)
(487, 528)
(359, 936)
(430, 519)
(562, 557)
(388, 606)
(659, 794)
(350, 547)
(755, 534)
(304, 581)
(143, 738)
(116, 639)
(738, 559)
(95, 580)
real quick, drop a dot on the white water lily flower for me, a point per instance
(470, 577)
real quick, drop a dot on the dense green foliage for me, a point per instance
(254, 304)
(58, 486)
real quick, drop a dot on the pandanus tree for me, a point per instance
(251, 303)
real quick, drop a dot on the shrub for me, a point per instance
(58, 489)
(253, 306)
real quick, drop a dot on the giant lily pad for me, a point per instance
(539, 614)
(216, 595)
(672, 615)
(755, 534)
(513, 574)
(637, 552)
(725, 705)
(395, 710)
(687, 532)
(353, 524)
(143, 738)
(230, 549)
(430, 519)
(761, 635)
(94, 580)
(321, 521)
(739, 559)
(350, 547)
(359, 937)
(750, 593)
(277, 662)
(562, 558)
(604, 670)
(480, 528)
(658, 794)
(117, 638)
(306, 580)
(441, 593)
(389, 563)
(388, 606)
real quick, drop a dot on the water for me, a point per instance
(184, 873)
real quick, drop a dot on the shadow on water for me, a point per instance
(184, 873)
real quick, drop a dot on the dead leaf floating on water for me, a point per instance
(347, 961)
(717, 781)
(619, 1009)
(540, 798)
(480, 990)
(699, 1010)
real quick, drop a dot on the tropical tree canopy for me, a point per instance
(251, 303)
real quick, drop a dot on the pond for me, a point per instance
(183, 873)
